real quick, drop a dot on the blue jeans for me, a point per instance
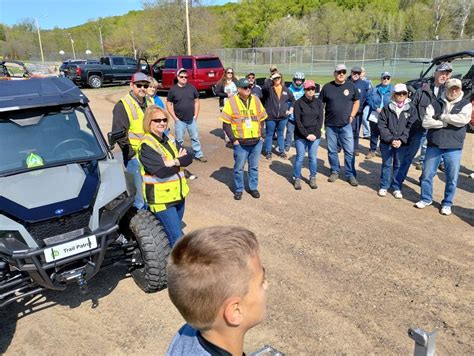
(356, 122)
(171, 219)
(391, 157)
(301, 146)
(290, 131)
(452, 163)
(374, 135)
(271, 127)
(406, 158)
(344, 136)
(242, 154)
(192, 127)
(365, 122)
(133, 167)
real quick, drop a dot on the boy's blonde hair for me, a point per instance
(153, 81)
(206, 267)
(150, 113)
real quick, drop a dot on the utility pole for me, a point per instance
(72, 45)
(133, 45)
(39, 40)
(188, 34)
(101, 41)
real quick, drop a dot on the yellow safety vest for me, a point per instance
(161, 191)
(135, 118)
(245, 122)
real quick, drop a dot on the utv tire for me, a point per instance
(94, 81)
(153, 250)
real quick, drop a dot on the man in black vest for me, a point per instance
(446, 120)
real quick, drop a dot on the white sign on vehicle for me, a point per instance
(70, 248)
(211, 74)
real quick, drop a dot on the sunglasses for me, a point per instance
(250, 77)
(139, 86)
(312, 88)
(341, 72)
(276, 78)
(404, 93)
(230, 72)
(183, 76)
(159, 121)
(246, 87)
(386, 78)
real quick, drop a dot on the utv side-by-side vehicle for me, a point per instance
(65, 202)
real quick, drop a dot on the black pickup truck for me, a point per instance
(112, 69)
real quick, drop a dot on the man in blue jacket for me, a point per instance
(363, 87)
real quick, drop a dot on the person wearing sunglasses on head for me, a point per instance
(341, 102)
(183, 105)
(394, 123)
(377, 99)
(128, 115)
(226, 87)
(162, 160)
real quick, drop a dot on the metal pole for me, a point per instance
(312, 58)
(133, 45)
(72, 45)
(363, 56)
(39, 40)
(188, 34)
(101, 41)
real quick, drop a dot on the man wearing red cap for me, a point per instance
(128, 115)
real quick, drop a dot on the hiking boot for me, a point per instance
(419, 166)
(287, 149)
(201, 159)
(268, 156)
(238, 195)
(382, 192)
(283, 155)
(297, 184)
(312, 183)
(370, 155)
(422, 204)
(255, 194)
(333, 177)
(441, 167)
(356, 152)
(353, 181)
(445, 210)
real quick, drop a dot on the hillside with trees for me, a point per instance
(159, 29)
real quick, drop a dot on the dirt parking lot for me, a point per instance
(349, 271)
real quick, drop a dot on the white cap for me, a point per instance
(400, 87)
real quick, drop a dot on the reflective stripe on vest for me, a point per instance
(161, 191)
(135, 118)
(245, 122)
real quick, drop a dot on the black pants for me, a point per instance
(374, 135)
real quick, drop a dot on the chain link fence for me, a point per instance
(402, 59)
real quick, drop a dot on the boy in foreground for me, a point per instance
(218, 284)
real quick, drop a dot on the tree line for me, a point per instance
(160, 29)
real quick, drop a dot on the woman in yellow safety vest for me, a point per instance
(162, 160)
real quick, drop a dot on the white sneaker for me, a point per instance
(445, 210)
(397, 194)
(382, 192)
(421, 204)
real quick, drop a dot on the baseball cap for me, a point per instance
(356, 69)
(180, 70)
(400, 87)
(444, 67)
(385, 74)
(275, 75)
(250, 73)
(140, 77)
(453, 82)
(242, 83)
(273, 68)
(340, 67)
(309, 84)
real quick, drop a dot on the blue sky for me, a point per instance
(68, 13)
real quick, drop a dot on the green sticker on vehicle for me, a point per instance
(34, 160)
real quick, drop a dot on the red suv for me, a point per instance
(204, 71)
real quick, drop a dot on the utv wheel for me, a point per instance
(152, 253)
(95, 81)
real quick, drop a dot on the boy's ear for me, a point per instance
(233, 312)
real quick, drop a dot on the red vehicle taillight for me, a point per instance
(78, 71)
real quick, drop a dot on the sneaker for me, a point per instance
(202, 159)
(378, 153)
(238, 195)
(297, 184)
(445, 210)
(283, 155)
(353, 181)
(422, 204)
(471, 175)
(287, 149)
(370, 155)
(312, 183)
(382, 192)
(268, 156)
(333, 177)
(398, 194)
(419, 166)
(441, 167)
(255, 194)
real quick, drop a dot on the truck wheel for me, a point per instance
(152, 252)
(95, 81)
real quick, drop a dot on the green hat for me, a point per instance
(242, 83)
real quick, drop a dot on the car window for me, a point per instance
(130, 62)
(187, 63)
(171, 63)
(205, 63)
(118, 61)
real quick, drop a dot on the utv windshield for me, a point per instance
(42, 137)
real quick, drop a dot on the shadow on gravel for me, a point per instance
(99, 286)
(286, 169)
(218, 133)
(225, 175)
(465, 214)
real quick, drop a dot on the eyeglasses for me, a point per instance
(160, 120)
(309, 89)
(341, 72)
(230, 72)
(183, 76)
(386, 78)
(402, 93)
(139, 86)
